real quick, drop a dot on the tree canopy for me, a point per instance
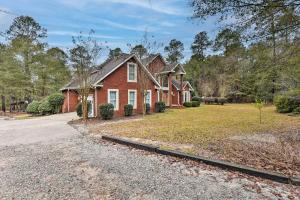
(174, 50)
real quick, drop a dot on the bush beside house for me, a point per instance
(106, 111)
(160, 107)
(45, 108)
(187, 104)
(33, 108)
(128, 110)
(56, 101)
(51, 104)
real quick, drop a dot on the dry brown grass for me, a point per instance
(200, 126)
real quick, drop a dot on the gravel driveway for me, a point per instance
(45, 158)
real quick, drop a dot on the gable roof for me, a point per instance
(106, 69)
(171, 68)
(176, 84)
(146, 61)
(187, 83)
(184, 84)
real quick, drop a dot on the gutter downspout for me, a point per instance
(68, 100)
(96, 102)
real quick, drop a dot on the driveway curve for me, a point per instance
(45, 158)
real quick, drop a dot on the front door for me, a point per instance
(90, 100)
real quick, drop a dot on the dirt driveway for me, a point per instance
(45, 158)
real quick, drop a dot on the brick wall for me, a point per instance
(175, 94)
(73, 101)
(156, 65)
(118, 80)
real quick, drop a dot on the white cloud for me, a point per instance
(160, 6)
(71, 33)
(6, 18)
(167, 24)
(127, 27)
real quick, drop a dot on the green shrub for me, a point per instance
(79, 109)
(160, 107)
(128, 109)
(297, 110)
(196, 98)
(106, 111)
(286, 103)
(187, 104)
(33, 107)
(56, 101)
(195, 103)
(45, 107)
(147, 108)
(282, 104)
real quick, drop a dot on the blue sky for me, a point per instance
(117, 22)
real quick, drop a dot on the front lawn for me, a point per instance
(205, 124)
(231, 132)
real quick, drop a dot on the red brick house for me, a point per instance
(117, 81)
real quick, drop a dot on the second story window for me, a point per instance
(165, 81)
(132, 72)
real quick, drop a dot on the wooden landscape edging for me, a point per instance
(218, 163)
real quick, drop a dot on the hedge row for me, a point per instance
(50, 105)
(107, 110)
(214, 100)
(191, 104)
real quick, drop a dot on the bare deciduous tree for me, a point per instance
(84, 56)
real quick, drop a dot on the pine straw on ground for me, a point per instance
(210, 129)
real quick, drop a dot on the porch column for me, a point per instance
(170, 89)
(68, 94)
(181, 89)
(96, 108)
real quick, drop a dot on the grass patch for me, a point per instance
(205, 124)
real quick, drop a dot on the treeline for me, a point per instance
(256, 56)
(243, 73)
(29, 68)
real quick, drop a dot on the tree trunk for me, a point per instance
(3, 103)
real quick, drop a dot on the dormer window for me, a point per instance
(131, 72)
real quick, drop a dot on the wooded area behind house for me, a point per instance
(30, 69)
(257, 54)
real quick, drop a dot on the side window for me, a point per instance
(132, 98)
(132, 72)
(113, 98)
(165, 81)
(148, 97)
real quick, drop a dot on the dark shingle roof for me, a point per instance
(176, 84)
(102, 71)
(146, 61)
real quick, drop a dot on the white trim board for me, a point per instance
(135, 99)
(117, 97)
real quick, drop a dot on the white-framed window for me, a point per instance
(186, 96)
(132, 98)
(131, 72)
(148, 97)
(158, 95)
(165, 81)
(113, 98)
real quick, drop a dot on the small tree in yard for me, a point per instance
(259, 104)
(142, 50)
(83, 57)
